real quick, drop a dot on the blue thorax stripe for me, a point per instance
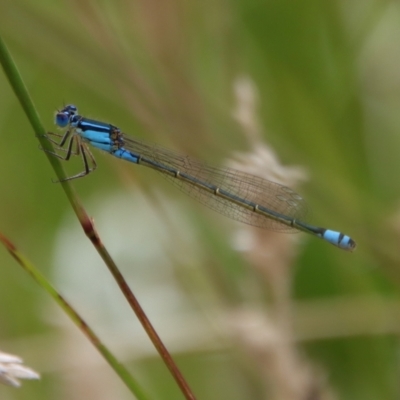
(88, 124)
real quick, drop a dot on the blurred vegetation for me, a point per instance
(328, 82)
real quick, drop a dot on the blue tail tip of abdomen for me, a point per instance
(340, 240)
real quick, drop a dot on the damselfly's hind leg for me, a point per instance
(81, 149)
(89, 163)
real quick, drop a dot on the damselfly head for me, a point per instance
(63, 116)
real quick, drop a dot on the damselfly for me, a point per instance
(238, 195)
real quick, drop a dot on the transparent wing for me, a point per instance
(270, 195)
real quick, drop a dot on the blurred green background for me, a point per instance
(326, 78)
